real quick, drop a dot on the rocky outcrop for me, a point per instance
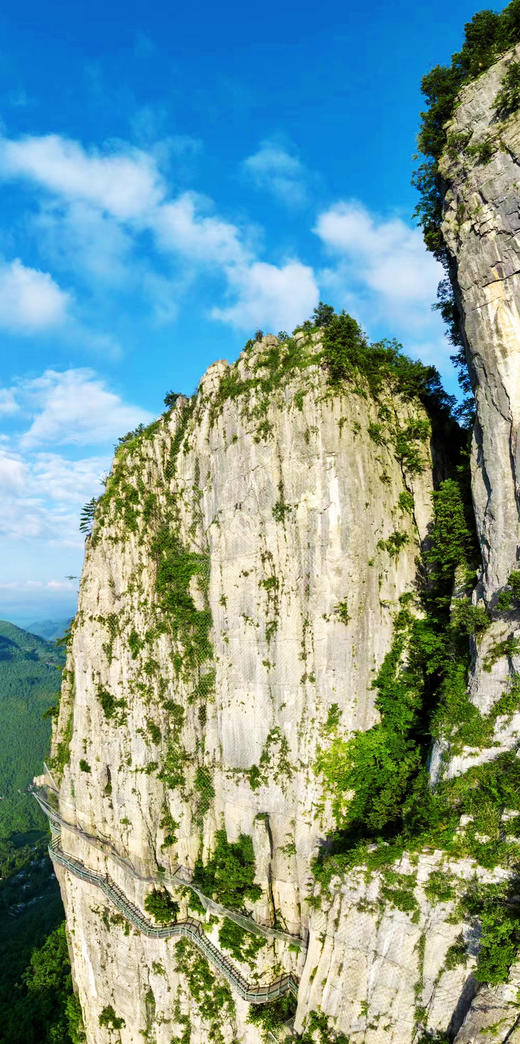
(237, 601)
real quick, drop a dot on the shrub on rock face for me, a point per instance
(229, 875)
(161, 906)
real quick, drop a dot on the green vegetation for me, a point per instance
(87, 516)
(204, 788)
(498, 910)
(229, 875)
(349, 359)
(170, 399)
(41, 1007)
(161, 906)
(209, 992)
(113, 707)
(29, 681)
(272, 1016)
(377, 779)
(347, 354)
(406, 502)
(394, 543)
(175, 569)
(108, 1017)
(243, 945)
(281, 510)
(170, 826)
(509, 597)
(318, 1030)
(37, 1005)
(341, 610)
(508, 97)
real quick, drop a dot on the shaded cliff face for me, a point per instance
(480, 227)
(237, 601)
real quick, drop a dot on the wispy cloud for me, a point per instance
(383, 256)
(274, 169)
(183, 227)
(42, 489)
(380, 271)
(96, 205)
(124, 182)
(42, 495)
(8, 403)
(30, 300)
(276, 296)
(75, 407)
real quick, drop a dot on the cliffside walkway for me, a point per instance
(189, 928)
(181, 875)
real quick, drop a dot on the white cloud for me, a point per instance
(8, 403)
(386, 255)
(180, 227)
(69, 481)
(30, 300)
(42, 495)
(75, 407)
(39, 585)
(124, 182)
(381, 272)
(12, 473)
(81, 237)
(105, 205)
(277, 298)
(275, 170)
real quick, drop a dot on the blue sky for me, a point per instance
(171, 179)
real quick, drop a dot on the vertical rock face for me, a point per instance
(237, 601)
(481, 228)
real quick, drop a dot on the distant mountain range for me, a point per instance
(29, 683)
(30, 903)
(49, 629)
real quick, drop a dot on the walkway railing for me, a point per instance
(181, 875)
(189, 928)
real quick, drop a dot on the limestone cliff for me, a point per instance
(237, 601)
(481, 226)
(260, 567)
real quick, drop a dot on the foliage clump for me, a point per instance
(229, 874)
(114, 708)
(273, 1015)
(497, 907)
(509, 597)
(161, 906)
(108, 1017)
(347, 355)
(508, 97)
(175, 569)
(241, 944)
(43, 1008)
